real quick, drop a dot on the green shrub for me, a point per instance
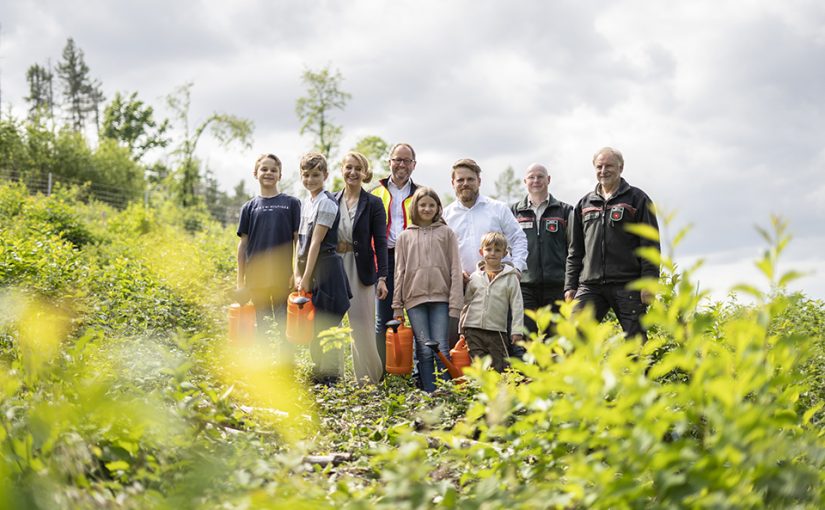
(118, 389)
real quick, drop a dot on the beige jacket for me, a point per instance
(428, 268)
(486, 302)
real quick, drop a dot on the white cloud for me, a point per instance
(717, 105)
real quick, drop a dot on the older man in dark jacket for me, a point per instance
(602, 260)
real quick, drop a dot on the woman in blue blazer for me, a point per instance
(362, 243)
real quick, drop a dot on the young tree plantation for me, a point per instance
(119, 387)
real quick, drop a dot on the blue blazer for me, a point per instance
(369, 237)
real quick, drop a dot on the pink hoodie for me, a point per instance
(428, 268)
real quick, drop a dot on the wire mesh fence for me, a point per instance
(46, 184)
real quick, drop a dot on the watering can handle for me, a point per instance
(397, 350)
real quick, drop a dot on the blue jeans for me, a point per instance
(429, 322)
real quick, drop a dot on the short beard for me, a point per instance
(470, 202)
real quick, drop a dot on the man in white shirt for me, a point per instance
(472, 215)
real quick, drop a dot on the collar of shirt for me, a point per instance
(538, 209)
(395, 189)
(542, 203)
(480, 200)
(396, 212)
(317, 197)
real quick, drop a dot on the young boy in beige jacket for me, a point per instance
(492, 292)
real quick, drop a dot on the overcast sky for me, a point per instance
(718, 106)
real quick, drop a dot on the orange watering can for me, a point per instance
(399, 347)
(460, 355)
(300, 318)
(241, 323)
(460, 358)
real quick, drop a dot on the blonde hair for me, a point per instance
(314, 161)
(264, 156)
(363, 161)
(420, 193)
(495, 239)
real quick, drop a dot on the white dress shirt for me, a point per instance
(397, 209)
(486, 215)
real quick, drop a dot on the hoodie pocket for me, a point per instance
(428, 281)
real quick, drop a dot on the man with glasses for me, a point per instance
(395, 193)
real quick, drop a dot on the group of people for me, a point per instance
(471, 268)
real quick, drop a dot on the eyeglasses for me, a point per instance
(398, 161)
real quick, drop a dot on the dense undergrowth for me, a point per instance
(119, 390)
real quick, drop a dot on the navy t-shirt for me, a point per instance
(269, 222)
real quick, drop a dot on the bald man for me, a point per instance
(545, 220)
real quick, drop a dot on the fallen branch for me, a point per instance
(325, 460)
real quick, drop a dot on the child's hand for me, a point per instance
(297, 282)
(517, 338)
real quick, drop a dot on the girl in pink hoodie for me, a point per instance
(428, 280)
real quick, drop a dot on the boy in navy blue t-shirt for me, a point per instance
(268, 229)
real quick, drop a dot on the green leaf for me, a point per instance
(677, 239)
(748, 289)
(788, 277)
(644, 230)
(117, 465)
(809, 414)
(651, 254)
(766, 267)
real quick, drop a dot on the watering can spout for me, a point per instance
(454, 371)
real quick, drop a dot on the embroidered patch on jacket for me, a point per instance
(525, 223)
(551, 225)
(616, 213)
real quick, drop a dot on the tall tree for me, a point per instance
(82, 96)
(40, 98)
(74, 79)
(216, 200)
(131, 122)
(314, 110)
(508, 187)
(14, 154)
(95, 98)
(224, 128)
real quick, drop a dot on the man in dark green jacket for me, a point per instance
(602, 259)
(546, 221)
